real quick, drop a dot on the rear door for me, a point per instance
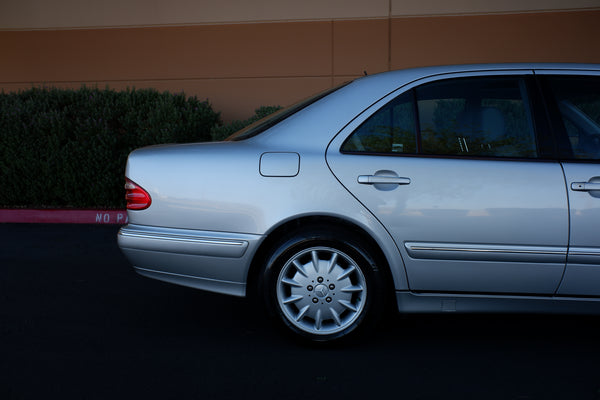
(577, 108)
(453, 169)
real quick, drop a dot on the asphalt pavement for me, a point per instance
(76, 322)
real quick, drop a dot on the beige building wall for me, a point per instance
(240, 55)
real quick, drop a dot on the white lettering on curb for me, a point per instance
(112, 218)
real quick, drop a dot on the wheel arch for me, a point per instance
(306, 223)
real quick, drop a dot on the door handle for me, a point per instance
(378, 179)
(585, 186)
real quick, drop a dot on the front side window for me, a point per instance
(457, 117)
(578, 101)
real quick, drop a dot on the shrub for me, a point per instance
(68, 148)
(221, 132)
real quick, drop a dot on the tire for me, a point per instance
(323, 284)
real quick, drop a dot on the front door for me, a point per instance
(577, 101)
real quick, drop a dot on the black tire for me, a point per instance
(323, 284)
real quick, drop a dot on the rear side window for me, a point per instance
(578, 100)
(389, 130)
(460, 117)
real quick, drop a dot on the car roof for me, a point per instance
(458, 68)
(404, 76)
(316, 125)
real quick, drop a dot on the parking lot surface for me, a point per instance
(76, 322)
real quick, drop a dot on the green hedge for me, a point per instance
(68, 148)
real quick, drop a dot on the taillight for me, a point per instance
(137, 198)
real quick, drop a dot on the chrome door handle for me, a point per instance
(377, 179)
(585, 186)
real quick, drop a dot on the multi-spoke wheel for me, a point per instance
(321, 286)
(321, 290)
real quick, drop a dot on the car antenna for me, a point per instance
(365, 72)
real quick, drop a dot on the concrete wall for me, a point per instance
(240, 55)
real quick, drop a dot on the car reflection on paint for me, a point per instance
(460, 188)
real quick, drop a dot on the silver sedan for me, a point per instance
(442, 189)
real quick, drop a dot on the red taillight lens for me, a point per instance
(137, 198)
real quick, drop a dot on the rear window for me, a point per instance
(271, 120)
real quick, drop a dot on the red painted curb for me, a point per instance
(61, 216)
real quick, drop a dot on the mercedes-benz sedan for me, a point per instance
(442, 189)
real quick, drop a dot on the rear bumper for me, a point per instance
(213, 261)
